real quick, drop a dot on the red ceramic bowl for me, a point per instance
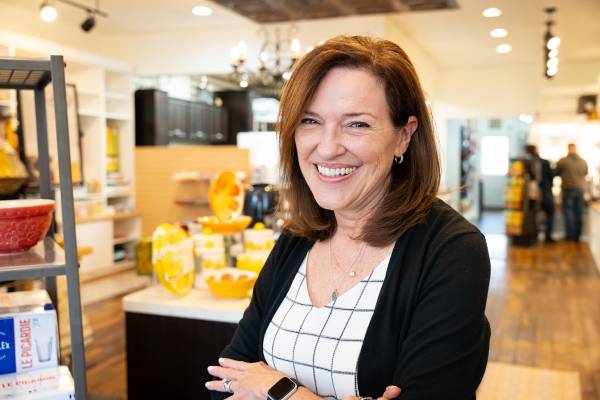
(23, 223)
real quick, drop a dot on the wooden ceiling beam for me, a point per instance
(270, 11)
(399, 5)
(279, 6)
(342, 7)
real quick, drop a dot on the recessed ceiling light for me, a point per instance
(504, 48)
(202, 11)
(553, 53)
(492, 12)
(499, 33)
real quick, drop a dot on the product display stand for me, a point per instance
(46, 259)
(520, 215)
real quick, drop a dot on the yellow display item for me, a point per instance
(254, 246)
(248, 262)
(143, 256)
(259, 238)
(516, 168)
(211, 258)
(173, 258)
(11, 134)
(226, 196)
(234, 225)
(230, 283)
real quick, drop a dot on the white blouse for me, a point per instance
(319, 347)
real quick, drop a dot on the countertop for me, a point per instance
(198, 304)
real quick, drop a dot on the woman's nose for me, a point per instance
(331, 145)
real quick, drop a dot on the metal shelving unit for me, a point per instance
(47, 260)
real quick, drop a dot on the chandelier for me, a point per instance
(551, 43)
(278, 53)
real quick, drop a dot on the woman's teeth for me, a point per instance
(335, 171)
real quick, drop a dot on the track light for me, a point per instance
(48, 12)
(89, 23)
(551, 44)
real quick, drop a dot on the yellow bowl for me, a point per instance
(235, 225)
(226, 283)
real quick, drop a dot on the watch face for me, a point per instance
(281, 388)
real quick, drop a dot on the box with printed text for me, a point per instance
(28, 332)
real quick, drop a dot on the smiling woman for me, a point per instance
(375, 288)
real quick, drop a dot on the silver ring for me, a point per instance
(227, 385)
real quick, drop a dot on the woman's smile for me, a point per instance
(334, 172)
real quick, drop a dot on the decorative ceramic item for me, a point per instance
(23, 223)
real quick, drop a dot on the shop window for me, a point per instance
(494, 155)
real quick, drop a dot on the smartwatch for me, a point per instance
(283, 389)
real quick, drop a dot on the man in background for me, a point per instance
(572, 170)
(542, 173)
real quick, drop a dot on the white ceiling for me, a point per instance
(459, 38)
(453, 38)
(140, 16)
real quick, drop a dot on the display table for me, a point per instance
(594, 221)
(171, 341)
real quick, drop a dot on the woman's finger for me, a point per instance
(223, 373)
(391, 392)
(229, 363)
(217, 386)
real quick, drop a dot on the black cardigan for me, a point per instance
(428, 334)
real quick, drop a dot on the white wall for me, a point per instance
(207, 50)
(427, 68)
(510, 90)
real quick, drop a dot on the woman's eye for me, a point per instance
(308, 121)
(359, 124)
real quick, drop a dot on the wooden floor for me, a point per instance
(543, 305)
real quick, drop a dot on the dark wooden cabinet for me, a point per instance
(161, 120)
(200, 122)
(179, 120)
(167, 357)
(239, 112)
(220, 124)
(151, 118)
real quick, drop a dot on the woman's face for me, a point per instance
(346, 141)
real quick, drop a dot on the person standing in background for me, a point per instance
(572, 170)
(544, 177)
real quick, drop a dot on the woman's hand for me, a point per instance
(391, 392)
(247, 380)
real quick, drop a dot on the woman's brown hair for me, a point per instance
(414, 183)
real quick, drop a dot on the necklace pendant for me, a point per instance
(352, 274)
(334, 295)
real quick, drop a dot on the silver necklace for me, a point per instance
(350, 272)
